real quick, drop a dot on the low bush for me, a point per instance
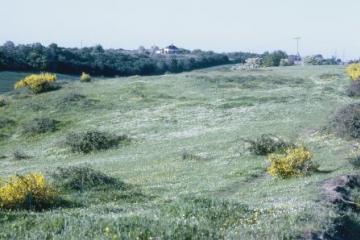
(354, 89)
(74, 100)
(3, 136)
(186, 155)
(353, 71)
(268, 143)
(40, 125)
(295, 162)
(38, 83)
(73, 97)
(82, 178)
(326, 76)
(355, 161)
(346, 121)
(19, 155)
(92, 140)
(3, 101)
(85, 77)
(6, 122)
(31, 192)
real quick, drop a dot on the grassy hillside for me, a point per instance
(187, 165)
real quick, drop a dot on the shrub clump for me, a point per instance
(85, 77)
(82, 178)
(92, 140)
(353, 71)
(40, 125)
(3, 101)
(73, 97)
(295, 162)
(31, 192)
(329, 76)
(6, 122)
(38, 83)
(19, 155)
(268, 143)
(355, 161)
(346, 122)
(354, 89)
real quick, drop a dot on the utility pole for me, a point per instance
(297, 45)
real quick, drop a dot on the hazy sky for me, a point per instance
(326, 26)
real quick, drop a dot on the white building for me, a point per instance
(171, 49)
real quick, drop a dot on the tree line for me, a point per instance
(106, 62)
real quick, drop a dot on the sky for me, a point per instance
(328, 27)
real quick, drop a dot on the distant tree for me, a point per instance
(273, 59)
(286, 62)
(314, 60)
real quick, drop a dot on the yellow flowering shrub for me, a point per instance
(37, 83)
(85, 77)
(30, 191)
(353, 70)
(295, 162)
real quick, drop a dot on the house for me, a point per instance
(171, 49)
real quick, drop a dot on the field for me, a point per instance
(190, 172)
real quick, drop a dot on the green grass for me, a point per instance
(219, 189)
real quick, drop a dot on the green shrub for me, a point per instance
(326, 76)
(3, 101)
(82, 178)
(40, 125)
(85, 77)
(354, 89)
(6, 122)
(346, 121)
(295, 162)
(74, 99)
(186, 155)
(19, 155)
(3, 136)
(268, 143)
(273, 59)
(313, 60)
(355, 161)
(92, 140)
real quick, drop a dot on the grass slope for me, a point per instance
(186, 156)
